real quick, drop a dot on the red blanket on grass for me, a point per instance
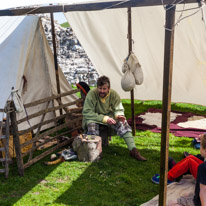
(174, 128)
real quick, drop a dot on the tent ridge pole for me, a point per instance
(88, 7)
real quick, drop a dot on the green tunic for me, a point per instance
(97, 109)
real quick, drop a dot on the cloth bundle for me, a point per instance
(18, 102)
(133, 73)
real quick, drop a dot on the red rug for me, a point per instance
(143, 122)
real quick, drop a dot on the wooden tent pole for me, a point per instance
(130, 50)
(166, 107)
(16, 140)
(88, 7)
(55, 57)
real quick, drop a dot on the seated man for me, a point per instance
(103, 106)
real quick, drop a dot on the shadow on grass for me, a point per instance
(117, 179)
(15, 187)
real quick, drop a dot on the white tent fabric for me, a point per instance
(103, 35)
(27, 64)
(13, 3)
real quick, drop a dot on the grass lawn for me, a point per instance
(117, 179)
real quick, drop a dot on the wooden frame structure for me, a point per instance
(69, 125)
(4, 138)
(89, 7)
(72, 123)
(168, 60)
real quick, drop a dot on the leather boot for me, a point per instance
(136, 154)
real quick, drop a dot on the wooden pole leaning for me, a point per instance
(166, 107)
(55, 58)
(14, 128)
(7, 141)
(130, 50)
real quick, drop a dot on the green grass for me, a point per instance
(143, 106)
(116, 179)
(65, 25)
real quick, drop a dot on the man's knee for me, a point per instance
(123, 128)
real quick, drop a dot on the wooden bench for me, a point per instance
(105, 133)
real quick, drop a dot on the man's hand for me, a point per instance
(121, 118)
(111, 121)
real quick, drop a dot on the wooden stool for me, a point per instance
(104, 133)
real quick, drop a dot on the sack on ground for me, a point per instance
(88, 147)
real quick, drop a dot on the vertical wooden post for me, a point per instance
(166, 107)
(14, 128)
(55, 57)
(7, 141)
(130, 50)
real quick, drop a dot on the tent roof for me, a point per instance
(22, 3)
(27, 64)
(8, 25)
(15, 34)
(77, 5)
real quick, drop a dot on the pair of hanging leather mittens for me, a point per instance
(133, 73)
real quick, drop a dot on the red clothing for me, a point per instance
(190, 163)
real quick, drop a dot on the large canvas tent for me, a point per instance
(168, 61)
(103, 35)
(27, 64)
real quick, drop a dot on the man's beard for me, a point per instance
(102, 95)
